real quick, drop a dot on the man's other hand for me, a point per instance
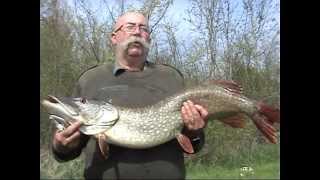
(194, 116)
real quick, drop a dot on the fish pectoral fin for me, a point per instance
(103, 145)
(185, 143)
(235, 121)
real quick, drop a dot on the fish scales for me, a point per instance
(140, 128)
(153, 125)
(167, 113)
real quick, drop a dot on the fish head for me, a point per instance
(62, 108)
(97, 116)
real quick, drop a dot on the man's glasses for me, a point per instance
(131, 27)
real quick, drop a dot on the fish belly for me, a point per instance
(141, 132)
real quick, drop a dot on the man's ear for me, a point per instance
(113, 38)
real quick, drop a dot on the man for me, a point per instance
(132, 81)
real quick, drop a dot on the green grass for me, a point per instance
(51, 169)
(263, 159)
(270, 170)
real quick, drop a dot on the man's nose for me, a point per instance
(137, 31)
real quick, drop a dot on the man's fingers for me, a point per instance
(203, 112)
(74, 136)
(191, 111)
(187, 116)
(72, 128)
(194, 116)
(194, 112)
(184, 113)
(188, 111)
(191, 116)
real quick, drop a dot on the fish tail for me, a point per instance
(264, 119)
(273, 114)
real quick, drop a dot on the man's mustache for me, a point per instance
(133, 39)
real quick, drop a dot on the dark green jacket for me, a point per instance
(118, 86)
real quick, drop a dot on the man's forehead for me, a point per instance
(131, 17)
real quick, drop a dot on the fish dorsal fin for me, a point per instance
(235, 121)
(185, 143)
(228, 85)
(103, 145)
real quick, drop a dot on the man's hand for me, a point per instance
(64, 141)
(194, 116)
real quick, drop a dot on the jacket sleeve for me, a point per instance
(197, 139)
(74, 153)
(198, 142)
(63, 157)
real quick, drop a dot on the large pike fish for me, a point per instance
(156, 124)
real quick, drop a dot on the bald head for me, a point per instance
(131, 17)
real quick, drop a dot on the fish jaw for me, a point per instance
(57, 109)
(68, 110)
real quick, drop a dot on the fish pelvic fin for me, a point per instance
(235, 121)
(264, 120)
(185, 143)
(103, 145)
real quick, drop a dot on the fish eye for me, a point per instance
(83, 100)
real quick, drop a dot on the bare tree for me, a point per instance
(205, 16)
(155, 11)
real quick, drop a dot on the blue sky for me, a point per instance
(176, 13)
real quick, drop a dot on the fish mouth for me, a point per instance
(53, 99)
(53, 103)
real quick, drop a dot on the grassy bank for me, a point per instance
(74, 170)
(264, 163)
(270, 170)
(51, 169)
